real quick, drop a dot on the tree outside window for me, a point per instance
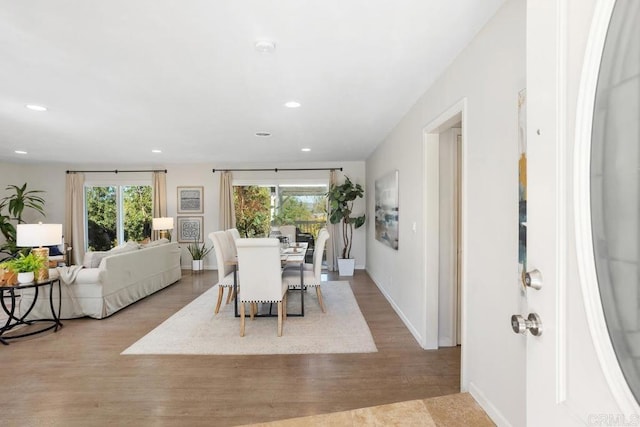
(258, 208)
(116, 214)
(253, 210)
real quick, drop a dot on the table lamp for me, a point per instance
(36, 236)
(163, 224)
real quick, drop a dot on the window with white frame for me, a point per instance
(117, 213)
(261, 206)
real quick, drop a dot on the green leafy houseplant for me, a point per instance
(198, 251)
(341, 198)
(24, 263)
(11, 210)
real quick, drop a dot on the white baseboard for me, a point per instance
(488, 407)
(399, 312)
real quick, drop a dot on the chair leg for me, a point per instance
(320, 300)
(284, 306)
(280, 318)
(229, 294)
(241, 319)
(253, 307)
(220, 292)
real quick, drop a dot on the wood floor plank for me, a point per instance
(77, 377)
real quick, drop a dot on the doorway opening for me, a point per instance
(449, 246)
(444, 239)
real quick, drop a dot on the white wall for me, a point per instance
(37, 178)
(488, 73)
(51, 179)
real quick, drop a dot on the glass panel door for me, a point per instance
(615, 187)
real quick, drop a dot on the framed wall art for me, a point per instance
(387, 209)
(190, 229)
(190, 200)
(522, 184)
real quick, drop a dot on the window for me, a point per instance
(117, 213)
(258, 207)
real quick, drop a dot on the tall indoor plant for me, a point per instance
(11, 210)
(341, 199)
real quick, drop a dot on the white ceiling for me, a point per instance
(123, 77)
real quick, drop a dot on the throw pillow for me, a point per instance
(92, 259)
(54, 251)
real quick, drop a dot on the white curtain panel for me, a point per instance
(74, 216)
(159, 198)
(227, 210)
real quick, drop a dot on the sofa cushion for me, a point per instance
(153, 243)
(92, 259)
(125, 247)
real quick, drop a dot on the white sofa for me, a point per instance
(121, 279)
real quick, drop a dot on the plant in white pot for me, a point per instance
(341, 199)
(198, 252)
(25, 266)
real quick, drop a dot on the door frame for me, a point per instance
(431, 239)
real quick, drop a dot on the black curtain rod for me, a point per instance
(277, 169)
(120, 171)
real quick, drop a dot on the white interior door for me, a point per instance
(573, 374)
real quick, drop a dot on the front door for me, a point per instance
(576, 373)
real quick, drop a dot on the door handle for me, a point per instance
(533, 279)
(533, 324)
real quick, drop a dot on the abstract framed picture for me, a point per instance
(522, 184)
(190, 229)
(387, 209)
(190, 200)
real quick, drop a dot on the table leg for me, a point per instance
(302, 288)
(7, 312)
(56, 317)
(235, 290)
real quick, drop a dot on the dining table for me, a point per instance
(291, 255)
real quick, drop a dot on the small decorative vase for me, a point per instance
(25, 277)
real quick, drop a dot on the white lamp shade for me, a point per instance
(33, 235)
(165, 223)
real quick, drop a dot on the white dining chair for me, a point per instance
(221, 247)
(312, 273)
(233, 234)
(289, 231)
(261, 277)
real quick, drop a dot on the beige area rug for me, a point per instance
(196, 330)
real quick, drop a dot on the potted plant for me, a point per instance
(341, 198)
(198, 252)
(25, 266)
(14, 205)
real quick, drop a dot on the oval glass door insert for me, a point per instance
(615, 186)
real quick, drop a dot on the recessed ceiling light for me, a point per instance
(20, 152)
(265, 46)
(292, 104)
(306, 150)
(156, 151)
(34, 107)
(263, 134)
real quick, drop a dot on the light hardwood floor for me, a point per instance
(77, 377)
